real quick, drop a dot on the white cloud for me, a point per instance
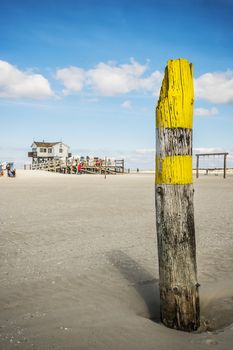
(204, 112)
(109, 79)
(126, 104)
(215, 87)
(15, 83)
(73, 79)
(208, 150)
(153, 82)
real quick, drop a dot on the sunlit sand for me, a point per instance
(79, 263)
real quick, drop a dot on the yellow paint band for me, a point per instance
(176, 170)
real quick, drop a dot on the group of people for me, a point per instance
(7, 168)
(75, 169)
(78, 167)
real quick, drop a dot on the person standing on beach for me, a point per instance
(79, 168)
(11, 172)
(1, 170)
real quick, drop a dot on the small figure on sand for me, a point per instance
(79, 168)
(1, 170)
(11, 171)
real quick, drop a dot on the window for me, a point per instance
(50, 150)
(60, 150)
(45, 150)
(41, 150)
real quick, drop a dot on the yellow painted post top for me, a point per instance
(175, 105)
(174, 110)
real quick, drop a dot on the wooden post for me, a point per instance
(179, 297)
(105, 167)
(197, 166)
(225, 165)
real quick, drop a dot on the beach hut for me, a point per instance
(42, 151)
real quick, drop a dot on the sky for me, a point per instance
(89, 73)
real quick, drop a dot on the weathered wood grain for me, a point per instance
(177, 256)
(173, 142)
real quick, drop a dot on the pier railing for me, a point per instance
(71, 167)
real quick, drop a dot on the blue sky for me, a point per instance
(89, 73)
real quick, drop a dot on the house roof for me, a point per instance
(45, 144)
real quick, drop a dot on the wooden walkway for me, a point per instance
(70, 167)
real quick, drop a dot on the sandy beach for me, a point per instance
(79, 269)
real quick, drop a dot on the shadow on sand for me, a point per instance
(216, 301)
(146, 285)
